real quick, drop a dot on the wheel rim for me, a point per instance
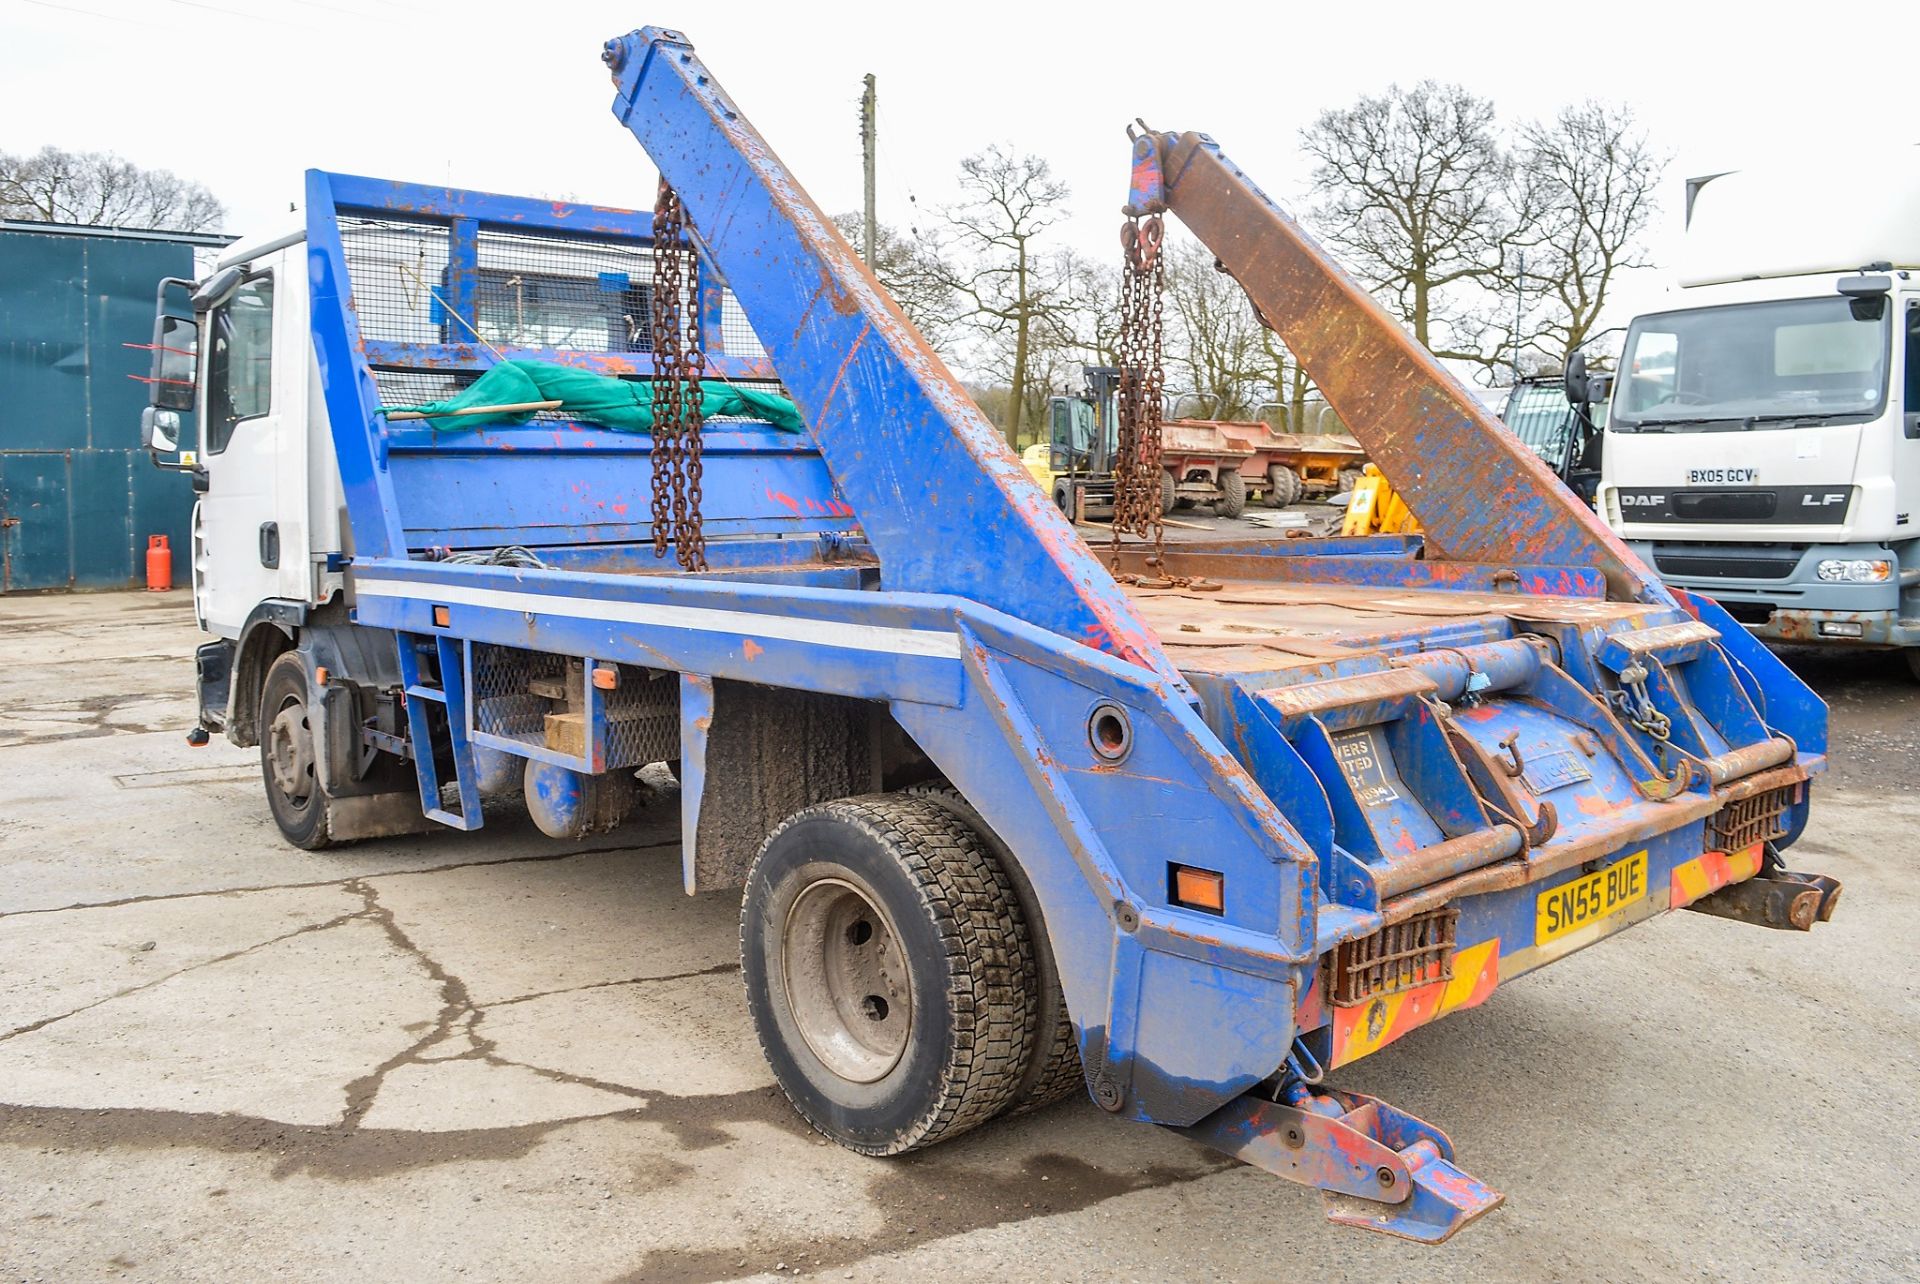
(846, 980)
(290, 753)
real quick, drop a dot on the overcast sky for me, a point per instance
(245, 94)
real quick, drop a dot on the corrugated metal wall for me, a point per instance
(78, 494)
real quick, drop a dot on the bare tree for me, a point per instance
(1591, 177)
(1009, 290)
(1416, 191)
(1094, 287)
(909, 267)
(1216, 342)
(101, 190)
(1286, 380)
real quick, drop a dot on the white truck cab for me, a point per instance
(1763, 442)
(235, 351)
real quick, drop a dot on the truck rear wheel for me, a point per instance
(1233, 495)
(886, 967)
(1054, 1071)
(294, 794)
(1349, 478)
(1169, 492)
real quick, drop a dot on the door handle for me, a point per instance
(270, 545)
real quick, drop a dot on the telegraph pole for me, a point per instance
(1519, 306)
(869, 136)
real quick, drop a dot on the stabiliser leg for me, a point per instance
(1380, 1168)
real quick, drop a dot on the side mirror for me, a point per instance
(218, 288)
(1579, 392)
(176, 349)
(161, 428)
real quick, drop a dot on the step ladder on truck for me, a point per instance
(1190, 833)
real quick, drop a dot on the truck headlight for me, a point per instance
(1856, 570)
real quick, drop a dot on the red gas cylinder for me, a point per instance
(159, 564)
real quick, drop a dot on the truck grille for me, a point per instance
(1746, 821)
(1750, 564)
(1400, 956)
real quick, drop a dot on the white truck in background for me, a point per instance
(1763, 444)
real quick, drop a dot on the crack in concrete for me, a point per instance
(923, 1198)
(455, 1002)
(536, 859)
(460, 1016)
(228, 957)
(718, 969)
(695, 1121)
(92, 724)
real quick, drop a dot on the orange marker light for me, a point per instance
(442, 617)
(1201, 889)
(606, 679)
(320, 675)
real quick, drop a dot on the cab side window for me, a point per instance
(1911, 405)
(239, 360)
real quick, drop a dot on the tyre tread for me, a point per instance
(986, 953)
(1054, 1072)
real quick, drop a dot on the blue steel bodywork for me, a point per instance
(1524, 713)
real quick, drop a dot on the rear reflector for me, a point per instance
(442, 617)
(1200, 889)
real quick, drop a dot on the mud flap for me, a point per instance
(1380, 1168)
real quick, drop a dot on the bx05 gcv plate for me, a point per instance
(1572, 906)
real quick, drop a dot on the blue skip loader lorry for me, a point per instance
(1187, 829)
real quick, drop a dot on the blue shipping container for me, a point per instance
(78, 494)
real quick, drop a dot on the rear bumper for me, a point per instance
(1499, 927)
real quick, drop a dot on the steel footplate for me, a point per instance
(1381, 1169)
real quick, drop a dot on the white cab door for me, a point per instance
(249, 547)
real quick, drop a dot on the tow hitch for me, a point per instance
(1379, 1167)
(1782, 899)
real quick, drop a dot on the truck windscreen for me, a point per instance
(1775, 364)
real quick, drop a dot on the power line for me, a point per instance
(88, 13)
(241, 13)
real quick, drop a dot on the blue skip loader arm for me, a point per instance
(1390, 772)
(948, 508)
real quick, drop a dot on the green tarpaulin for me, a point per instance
(625, 405)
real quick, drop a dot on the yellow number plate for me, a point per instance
(1572, 906)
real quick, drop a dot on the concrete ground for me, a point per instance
(495, 1056)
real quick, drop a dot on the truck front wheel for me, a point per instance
(887, 969)
(298, 803)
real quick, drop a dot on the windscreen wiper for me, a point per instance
(1800, 417)
(1662, 425)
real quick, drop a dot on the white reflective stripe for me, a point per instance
(707, 619)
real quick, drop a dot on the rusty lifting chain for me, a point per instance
(1136, 466)
(677, 359)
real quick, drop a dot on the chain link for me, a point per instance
(677, 360)
(1137, 468)
(1636, 706)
